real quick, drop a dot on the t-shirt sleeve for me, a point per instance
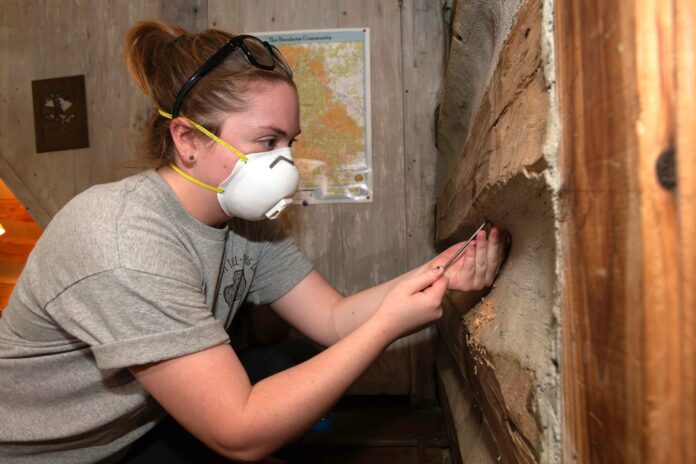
(131, 317)
(281, 265)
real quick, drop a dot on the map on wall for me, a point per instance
(332, 71)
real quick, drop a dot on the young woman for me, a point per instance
(121, 314)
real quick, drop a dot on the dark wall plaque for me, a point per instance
(60, 113)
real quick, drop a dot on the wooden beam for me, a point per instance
(602, 308)
(478, 30)
(685, 144)
(628, 325)
(655, 127)
(508, 132)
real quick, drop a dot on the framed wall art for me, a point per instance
(60, 113)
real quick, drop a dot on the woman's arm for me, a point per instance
(209, 393)
(317, 310)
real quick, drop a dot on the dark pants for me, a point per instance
(169, 442)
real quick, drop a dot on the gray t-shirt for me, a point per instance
(122, 276)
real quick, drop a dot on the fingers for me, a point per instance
(421, 281)
(468, 267)
(493, 256)
(481, 263)
(437, 289)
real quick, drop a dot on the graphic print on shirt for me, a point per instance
(241, 269)
(231, 292)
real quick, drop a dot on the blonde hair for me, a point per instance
(161, 57)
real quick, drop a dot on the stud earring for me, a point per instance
(192, 157)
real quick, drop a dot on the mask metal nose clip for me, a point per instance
(279, 159)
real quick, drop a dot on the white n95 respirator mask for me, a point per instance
(261, 187)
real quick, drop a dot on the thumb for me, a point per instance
(423, 280)
(438, 288)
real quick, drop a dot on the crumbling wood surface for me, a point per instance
(475, 363)
(627, 96)
(506, 345)
(470, 439)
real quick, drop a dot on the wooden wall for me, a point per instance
(627, 95)
(353, 246)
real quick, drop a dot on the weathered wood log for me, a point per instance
(508, 132)
(478, 30)
(507, 344)
(470, 440)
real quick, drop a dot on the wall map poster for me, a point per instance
(332, 72)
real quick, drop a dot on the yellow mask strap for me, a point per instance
(194, 180)
(217, 139)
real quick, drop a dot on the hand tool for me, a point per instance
(461, 249)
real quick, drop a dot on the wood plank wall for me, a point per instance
(627, 98)
(353, 246)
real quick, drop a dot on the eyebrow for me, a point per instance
(279, 131)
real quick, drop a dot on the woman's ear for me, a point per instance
(184, 137)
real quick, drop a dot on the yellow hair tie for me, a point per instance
(241, 155)
(196, 181)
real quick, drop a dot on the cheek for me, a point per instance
(224, 166)
(218, 165)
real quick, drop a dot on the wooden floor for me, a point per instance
(366, 430)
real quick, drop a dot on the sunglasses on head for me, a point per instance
(258, 53)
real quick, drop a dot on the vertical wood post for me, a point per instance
(626, 96)
(685, 143)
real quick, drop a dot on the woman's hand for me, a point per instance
(412, 303)
(477, 267)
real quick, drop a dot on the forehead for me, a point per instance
(271, 104)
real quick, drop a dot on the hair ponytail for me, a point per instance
(144, 47)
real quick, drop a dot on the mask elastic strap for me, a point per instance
(217, 139)
(194, 180)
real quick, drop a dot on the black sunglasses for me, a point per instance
(265, 57)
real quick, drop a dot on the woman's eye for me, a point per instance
(270, 144)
